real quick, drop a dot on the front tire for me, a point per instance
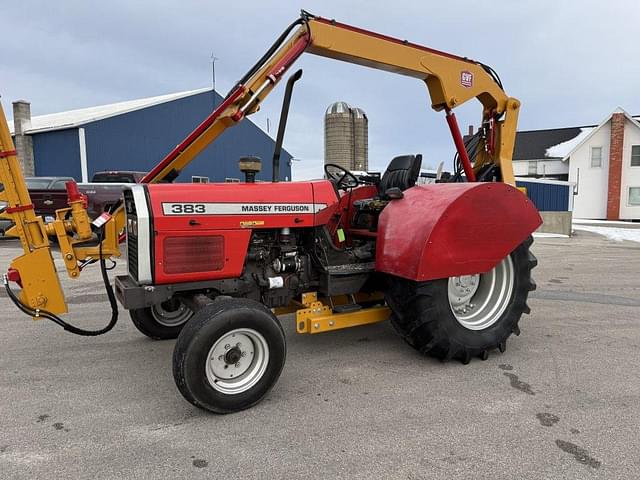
(464, 317)
(229, 355)
(163, 321)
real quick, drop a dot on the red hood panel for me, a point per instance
(239, 205)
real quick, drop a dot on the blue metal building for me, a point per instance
(548, 195)
(136, 135)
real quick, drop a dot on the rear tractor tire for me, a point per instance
(464, 317)
(163, 321)
(229, 355)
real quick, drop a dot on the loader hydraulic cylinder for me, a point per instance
(459, 142)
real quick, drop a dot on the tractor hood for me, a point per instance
(238, 205)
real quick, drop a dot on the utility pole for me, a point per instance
(213, 76)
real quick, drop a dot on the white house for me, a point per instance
(605, 166)
(603, 161)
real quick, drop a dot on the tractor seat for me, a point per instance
(401, 174)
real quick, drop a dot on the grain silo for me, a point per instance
(346, 137)
(360, 140)
(338, 135)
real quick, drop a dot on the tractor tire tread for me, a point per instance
(418, 309)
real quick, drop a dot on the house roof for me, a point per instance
(554, 143)
(534, 144)
(75, 118)
(578, 144)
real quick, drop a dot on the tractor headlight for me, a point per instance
(3, 206)
(132, 227)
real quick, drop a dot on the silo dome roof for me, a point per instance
(358, 113)
(338, 107)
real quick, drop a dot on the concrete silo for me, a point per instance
(360, 140)
(346, 137)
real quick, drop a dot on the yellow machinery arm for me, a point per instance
(450, 80)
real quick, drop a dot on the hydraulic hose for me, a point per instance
(67, 326)
(269, 53)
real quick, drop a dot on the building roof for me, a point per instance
(75, 118)
(578, 143)
(554, 143)
(536, 144)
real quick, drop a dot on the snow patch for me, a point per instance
(611, 223)
(563, 149)
(549, 235)
(612, 233)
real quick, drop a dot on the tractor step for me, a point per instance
(351, 268)
(347, 307)
(345, 279)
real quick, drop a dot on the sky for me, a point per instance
(569, 62)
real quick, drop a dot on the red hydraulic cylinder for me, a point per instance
(462, 151)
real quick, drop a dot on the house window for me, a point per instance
(635, 155)
(634, 196)
(199, 179)
(533, 167)
(596, 157)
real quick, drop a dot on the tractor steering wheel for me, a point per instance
(340, 176)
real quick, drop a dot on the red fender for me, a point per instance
(451, 229)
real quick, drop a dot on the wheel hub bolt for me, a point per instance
(227, 346)
(232, 357)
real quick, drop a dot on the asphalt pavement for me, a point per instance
(563, 402)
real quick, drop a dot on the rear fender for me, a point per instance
(451, 229)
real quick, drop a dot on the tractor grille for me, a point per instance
(132, 258)
(132, 239)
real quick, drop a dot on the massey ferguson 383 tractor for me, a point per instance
(213, 264)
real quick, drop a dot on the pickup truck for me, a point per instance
(45, 196)
(49, 194)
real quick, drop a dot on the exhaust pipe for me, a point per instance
(284, 114)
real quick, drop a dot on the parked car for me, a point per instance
(102, 193)
(118, 177)
(49, 194)
(47, 183)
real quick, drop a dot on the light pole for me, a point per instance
(213, 76)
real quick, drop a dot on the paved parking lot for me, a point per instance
(563, 402)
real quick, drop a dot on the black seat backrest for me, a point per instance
(401, 173)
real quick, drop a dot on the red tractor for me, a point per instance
(213, 264)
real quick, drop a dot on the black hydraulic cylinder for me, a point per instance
(284, 114)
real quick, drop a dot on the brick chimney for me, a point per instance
(24, 143)
(615, 165)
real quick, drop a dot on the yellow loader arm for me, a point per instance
(450, 80)
(35, 270)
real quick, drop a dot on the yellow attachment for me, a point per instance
(41, 287)
(319, 317)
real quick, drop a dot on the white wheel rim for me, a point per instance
(478, 301)
(166, 315)
(237, 361)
